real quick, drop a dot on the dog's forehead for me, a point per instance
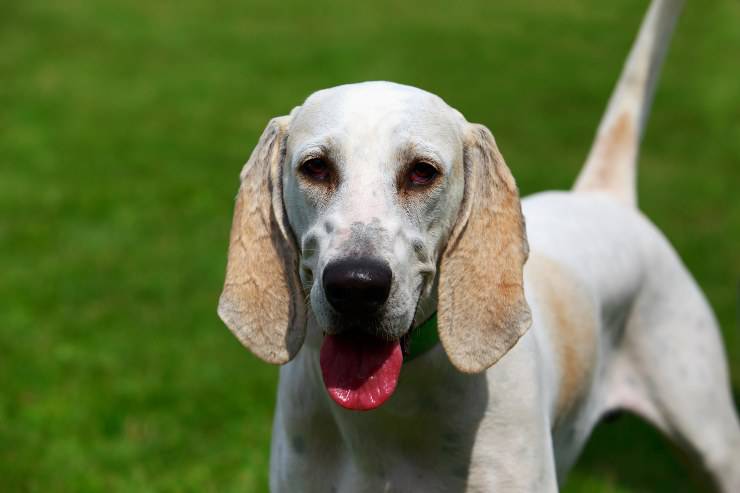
(377, 112)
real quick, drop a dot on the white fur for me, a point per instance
(653, 347)
(659, 354)
(367, 131)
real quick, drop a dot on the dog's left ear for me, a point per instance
(262, 301)
(482, 312)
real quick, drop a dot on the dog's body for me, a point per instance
(617, 322)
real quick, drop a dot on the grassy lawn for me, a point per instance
(123, 127)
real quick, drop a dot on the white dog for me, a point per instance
(375, 217)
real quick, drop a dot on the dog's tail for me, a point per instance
(612, 162)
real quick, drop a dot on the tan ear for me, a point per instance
(481, 307)
(262, 301)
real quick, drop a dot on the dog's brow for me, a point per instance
(418, 149)
(324, 147)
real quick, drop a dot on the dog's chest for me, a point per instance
(425, 434)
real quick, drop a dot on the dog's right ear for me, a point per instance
(262, 301)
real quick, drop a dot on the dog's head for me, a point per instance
(372, 205)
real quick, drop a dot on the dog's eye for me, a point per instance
(422, 173)
(316, 169)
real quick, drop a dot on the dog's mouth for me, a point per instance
(360, 372)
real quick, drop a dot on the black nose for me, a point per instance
(357, 285)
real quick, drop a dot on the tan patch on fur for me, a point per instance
(261, 302)
(611, 166)
(570, 318)
(482, 312)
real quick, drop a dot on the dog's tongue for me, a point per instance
(360, 372)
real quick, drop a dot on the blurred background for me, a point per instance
(123, 127)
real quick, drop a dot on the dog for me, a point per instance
(379, 253)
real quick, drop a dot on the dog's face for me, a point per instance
(372, 205)
(372, 183)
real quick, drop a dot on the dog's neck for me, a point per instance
(422, 338)
(430, 390)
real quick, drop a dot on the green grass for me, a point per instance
(123, 126)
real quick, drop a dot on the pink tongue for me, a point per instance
(360, 372)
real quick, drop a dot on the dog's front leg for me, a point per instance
(513, 449)
(306, 450)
